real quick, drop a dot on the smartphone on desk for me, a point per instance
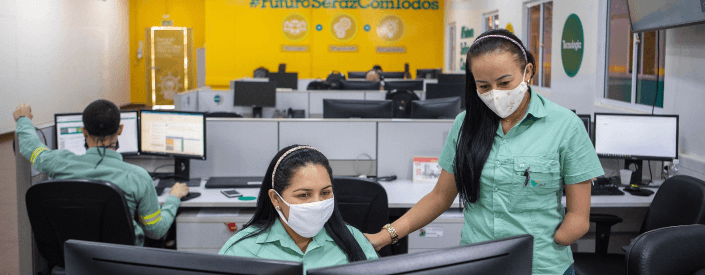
(231, 193)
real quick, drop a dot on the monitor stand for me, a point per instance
(181, 167)
(257, 112)
(636, 175)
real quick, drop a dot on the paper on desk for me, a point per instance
(218, 212)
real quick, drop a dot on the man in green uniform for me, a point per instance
(101, 120)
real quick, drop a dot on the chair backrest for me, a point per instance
(669, 250)
(60, 210)
(363, 204)
(401, 106)
(679, 201)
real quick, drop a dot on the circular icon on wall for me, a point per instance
(343, 27)
(319, 27)
(217, 99)
(572, 43)
(295, 27)
(391, 28)
(367, 27)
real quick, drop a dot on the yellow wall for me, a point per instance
(241, 38)
(149, 13)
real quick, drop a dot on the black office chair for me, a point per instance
(363, 204)
(401, 102)
(679, 201)
(675, 250)
(60, 210)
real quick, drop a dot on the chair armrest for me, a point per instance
(603, 228)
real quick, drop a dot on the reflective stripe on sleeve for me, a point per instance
(152, 218)
(36, 153)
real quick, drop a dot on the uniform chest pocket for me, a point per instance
(540, 191)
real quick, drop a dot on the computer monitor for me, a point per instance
(436, 108)
(343, 108)
(511, 255)
(357, 75)
(408, 85)
(451, 78)
(89, 258)
(586, 122)
(178, 134)
(636, 137)
(391, 75)
(70, 137)
(255, 94)
(427, 73)
(434, 91)
(357, 85)
(285, 80)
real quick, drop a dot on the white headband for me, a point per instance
(285, 155)
(507, 38)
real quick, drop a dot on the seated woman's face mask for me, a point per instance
(307, 219)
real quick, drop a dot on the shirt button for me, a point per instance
(521, 165)
(499, 163)
(504, 141)
(495, 189)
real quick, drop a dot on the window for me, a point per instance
(635, 61)
(540, 27)
(491, 21)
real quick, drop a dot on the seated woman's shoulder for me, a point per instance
(238, 244)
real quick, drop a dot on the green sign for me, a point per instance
(572, 45)
(467, 32)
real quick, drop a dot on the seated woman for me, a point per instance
(297, 218)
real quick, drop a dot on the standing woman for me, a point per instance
(509, 156)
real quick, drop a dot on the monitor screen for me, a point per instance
(586, 122)
(285, 80)
(341, 108)
(392, 75)
(173, 133)
(408, 85)
(434, 91)
(89, 258)
(357, 75)
(255, 93)
(70, 137)
(357, 85)
(511, 255)
(630, 136)
(436, 108)
(451, 78)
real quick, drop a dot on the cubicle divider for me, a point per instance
(244, 147)
(207, 100)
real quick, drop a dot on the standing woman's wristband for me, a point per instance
(392, 233)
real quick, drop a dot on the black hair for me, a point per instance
(480, 124)
(377, 68)
(101, 119)
(266, 215)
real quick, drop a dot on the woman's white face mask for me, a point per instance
(307, 219)
(505, 102)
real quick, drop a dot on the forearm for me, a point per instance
(424, 212)
(573, 227)
(27, 135)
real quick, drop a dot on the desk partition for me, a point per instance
(337, 139)
(400, 141)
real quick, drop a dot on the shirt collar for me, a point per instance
(278, 233)
(536, 109)
(108, 153)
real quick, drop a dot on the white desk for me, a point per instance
(400, 194)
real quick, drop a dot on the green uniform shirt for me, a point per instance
(134, 181)
(552, 141)
(276, 244)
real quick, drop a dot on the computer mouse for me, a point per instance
(632, 188)
(636, 191)
(191, 195)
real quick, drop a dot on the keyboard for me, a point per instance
(605, 190)
(160, 184)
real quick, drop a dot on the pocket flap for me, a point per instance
(537, 164)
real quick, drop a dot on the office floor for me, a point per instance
(9, 253)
